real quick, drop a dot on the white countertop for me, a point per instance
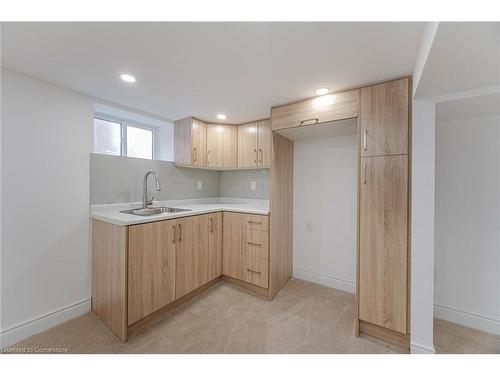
(110, 213)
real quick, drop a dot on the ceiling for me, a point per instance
(202, 69)
(464, 56)
(478, 106)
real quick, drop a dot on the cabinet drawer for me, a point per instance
(255, 271)
(257, 222)
(255, 244)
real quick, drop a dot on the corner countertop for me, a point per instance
(110, 213)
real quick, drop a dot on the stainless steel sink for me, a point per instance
(153, 211)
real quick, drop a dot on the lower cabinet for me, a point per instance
(139, 269)
(232, 245)
(191, 245)
(214, 245)
(151, 268)
(256, 257)
(246, 248)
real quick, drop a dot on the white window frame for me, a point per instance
(123, 132)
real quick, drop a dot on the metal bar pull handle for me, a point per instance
(173, 230)
(254, 244)
(255, 156)
(180, 232)
(211, 225)
(208, 157)
(254, 222)
(260, 156)
(364, 173)
(257, 272)
(365, 136)
(195, 154)
(314, 119)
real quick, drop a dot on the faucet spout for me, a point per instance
(145, 201)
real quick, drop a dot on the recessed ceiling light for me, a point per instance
(127, 78)
(322, 91)
(221, 116)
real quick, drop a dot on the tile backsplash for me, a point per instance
(116, 179)
(237, 184)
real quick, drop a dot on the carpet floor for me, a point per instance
(303, 318)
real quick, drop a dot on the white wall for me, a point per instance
(422, 227)
(325, 196)
(45, 257)
(467, 251)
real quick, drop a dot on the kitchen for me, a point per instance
(190, 209)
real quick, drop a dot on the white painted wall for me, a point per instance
(325, 195)
(45, 257)
(422, 227)
(467, 251)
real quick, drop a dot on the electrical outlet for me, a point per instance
(253, 185)
(199, 184)
(309, 226)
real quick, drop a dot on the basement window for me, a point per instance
(121, 138)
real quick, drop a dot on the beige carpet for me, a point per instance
(303, 318)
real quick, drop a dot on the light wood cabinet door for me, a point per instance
(191, 250)
(214, 245)
(232, 242)
(264, 143)
(384, 118)
(326, 108)
(222, 146)
(247, 145)
(339, 106)
(383, 241)
(290, 115)
(151, 268)
(199, 143)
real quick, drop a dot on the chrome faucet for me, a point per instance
(145, 201)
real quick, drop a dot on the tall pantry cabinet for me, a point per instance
(383, 244)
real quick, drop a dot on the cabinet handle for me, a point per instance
(364, 173)
(211, 225)
(255, 155)
(365, 134)
(195, 154)
(315, 119)
(180, 232)
(257, 272)
(173, 230)
(254, 222)
(260, 155)
(254, 244)
(208, 157)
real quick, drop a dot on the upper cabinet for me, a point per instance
(222, 146)
(317, 110)
(254, 147)
(384, 118)
(264, 143)
(190, 142)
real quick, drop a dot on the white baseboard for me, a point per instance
(318, 278)
(31, 327)
(467, 319)
(421, 349)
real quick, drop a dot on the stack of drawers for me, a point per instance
(256, 250)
